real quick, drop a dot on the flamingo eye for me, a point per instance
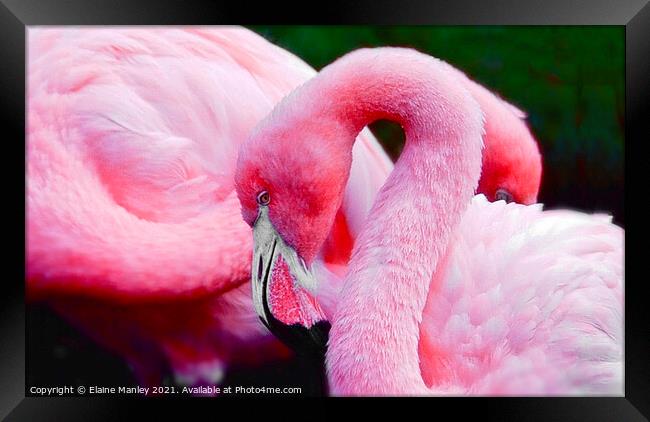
(263, 198)
(503, 195)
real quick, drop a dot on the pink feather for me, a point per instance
(134, 232)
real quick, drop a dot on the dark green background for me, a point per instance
(570, 81)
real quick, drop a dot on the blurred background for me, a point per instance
(570, 81)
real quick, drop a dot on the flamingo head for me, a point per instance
(512, 163)
(512, 175)
(290, 180)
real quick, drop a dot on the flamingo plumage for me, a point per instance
(445, 292)
(133, 228)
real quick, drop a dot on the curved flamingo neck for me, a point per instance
(373, 345)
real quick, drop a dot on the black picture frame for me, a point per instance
(17, 15)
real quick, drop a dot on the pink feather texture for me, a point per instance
(134, 231)
(445, 292)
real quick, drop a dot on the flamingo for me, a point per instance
(133, 228)
(446, 293)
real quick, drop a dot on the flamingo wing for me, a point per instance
(526, 302)
(134, 233)
(132, 142)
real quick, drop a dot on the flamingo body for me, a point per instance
(445, 292)
(526, 302)
(134, 231)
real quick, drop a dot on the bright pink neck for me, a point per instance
(374, 338)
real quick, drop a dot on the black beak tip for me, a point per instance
(320, 334)
(302, 340)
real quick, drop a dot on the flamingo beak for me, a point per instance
(283, 289)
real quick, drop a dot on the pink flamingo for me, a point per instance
(444, 293)
(133, 228)
(511, 168)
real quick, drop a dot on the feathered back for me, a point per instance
(132, 140)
